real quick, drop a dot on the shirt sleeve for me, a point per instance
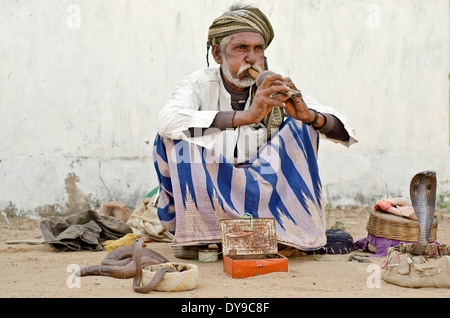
(224, 120)
(184, 111)
(333, 128)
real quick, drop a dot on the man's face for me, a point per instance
(243, 50)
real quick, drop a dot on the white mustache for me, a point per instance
(245, 67)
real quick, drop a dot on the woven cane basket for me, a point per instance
(394, 227)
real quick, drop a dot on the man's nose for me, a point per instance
(250, 57)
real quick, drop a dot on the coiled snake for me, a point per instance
(127, 262)
(159, 275)
(423, 198)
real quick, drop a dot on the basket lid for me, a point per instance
(246, 236)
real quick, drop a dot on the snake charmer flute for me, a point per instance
(259, 77)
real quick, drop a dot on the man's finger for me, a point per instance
(275, 89)
(270, 79)
(272, 102)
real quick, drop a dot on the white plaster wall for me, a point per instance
(81, 83)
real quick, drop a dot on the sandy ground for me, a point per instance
(39, 271)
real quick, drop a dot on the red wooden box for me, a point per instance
(249, 247)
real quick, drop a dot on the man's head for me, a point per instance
(238, 39)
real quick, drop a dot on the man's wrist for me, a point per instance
(315, 119)
(318, 120)
(241, 118)
(223, 120)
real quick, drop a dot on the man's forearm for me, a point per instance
(327, 124)
(333, 128)
(231, 119)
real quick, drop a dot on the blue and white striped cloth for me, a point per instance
(199, 187)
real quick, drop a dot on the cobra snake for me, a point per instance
(127, 262)
(423, 198)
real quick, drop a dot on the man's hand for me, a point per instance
(271, 93)
(266, 97)
(297, 108)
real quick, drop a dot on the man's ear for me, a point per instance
(217, 53)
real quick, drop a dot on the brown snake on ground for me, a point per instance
(423, 198)
(157, 278)
(119, 263)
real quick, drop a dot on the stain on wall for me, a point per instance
(77, 201)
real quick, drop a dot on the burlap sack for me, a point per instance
(402, 268)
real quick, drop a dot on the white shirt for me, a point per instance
(197, 100)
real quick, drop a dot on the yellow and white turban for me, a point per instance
(240, 20)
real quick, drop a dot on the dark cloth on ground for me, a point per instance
(82, 231)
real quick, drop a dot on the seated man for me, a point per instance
(214, 157)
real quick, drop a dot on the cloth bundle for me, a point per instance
(82, 230)
(144, 220)
(397, 206)
(377, 245)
